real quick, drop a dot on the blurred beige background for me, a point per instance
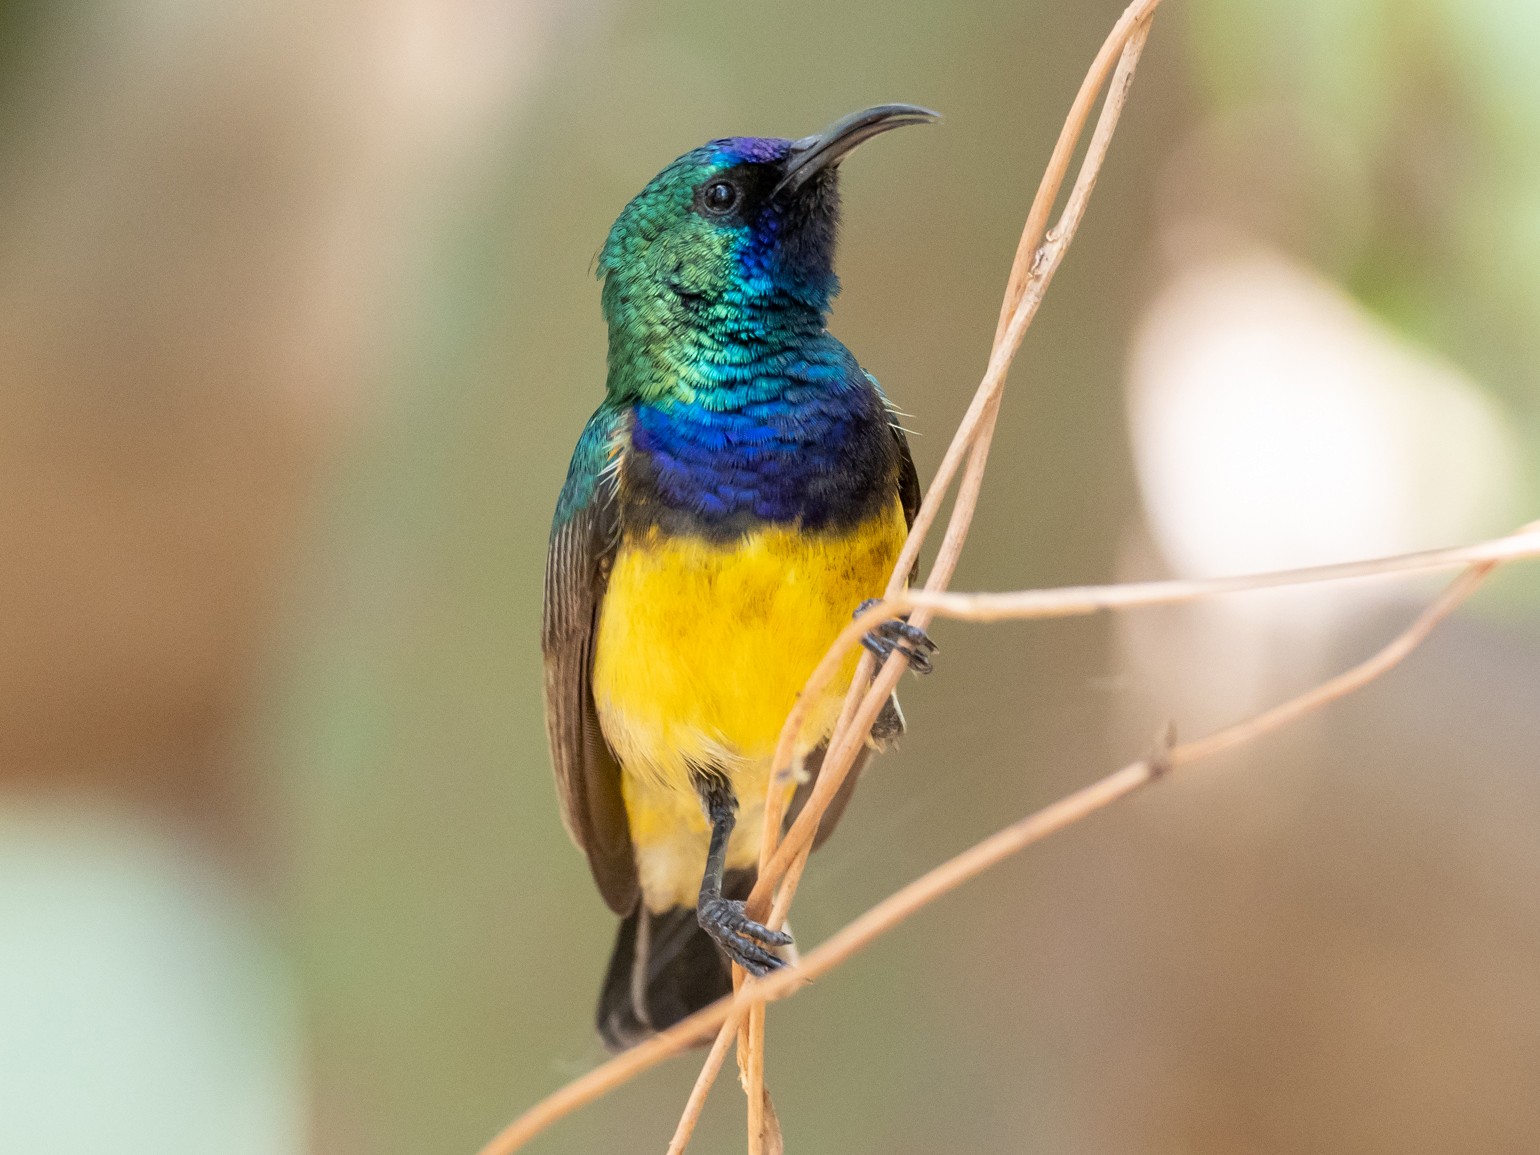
(297, 327)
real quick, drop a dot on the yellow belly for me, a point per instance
(701, 651)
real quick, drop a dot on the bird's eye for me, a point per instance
(720, 196)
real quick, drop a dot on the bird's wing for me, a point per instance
(908, 478)
(583, 542)
(909, 494)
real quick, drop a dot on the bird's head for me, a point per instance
(734, 224)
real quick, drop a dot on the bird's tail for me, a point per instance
(664, 968)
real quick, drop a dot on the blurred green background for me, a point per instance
(299, 326)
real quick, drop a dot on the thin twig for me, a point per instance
(1037, 259)
(1127, 39)
(697, 1100)
(1078, 601)
(613, 1073)
(751, 1064)
(1479, 560)
(965, 866)
(1034, 828)
(1026, 270)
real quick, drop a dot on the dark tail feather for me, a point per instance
(664, 968)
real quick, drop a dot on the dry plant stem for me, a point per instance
(1023, 271)
(1480, 560)
(1033, 267)
(1056, 816)
(1343, 684)
(1079, 601)
(1031, 272)
(1076, 601)
(1137, 14)
(751, 1062)
(972, 862)
(697, 1100)
(615, 1072)
(847, 740)
(973, 437)
(1082, 600)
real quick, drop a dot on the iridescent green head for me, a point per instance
(732, 239)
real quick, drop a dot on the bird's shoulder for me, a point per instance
(595, 460)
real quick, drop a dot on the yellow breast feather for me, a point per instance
(702, 647)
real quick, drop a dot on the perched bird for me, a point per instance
(743, 488)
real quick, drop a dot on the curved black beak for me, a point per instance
(812, 154)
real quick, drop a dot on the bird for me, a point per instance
(741, 490)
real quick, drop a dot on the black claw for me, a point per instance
(742, 939)
(754, 959)
(898, 636)
(729, 914)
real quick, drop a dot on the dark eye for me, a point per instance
(720, 196)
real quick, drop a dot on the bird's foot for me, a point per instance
(896, 634)
(743, 940)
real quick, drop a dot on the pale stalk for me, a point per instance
(845, 744)
(965, 866)
(1032, 271)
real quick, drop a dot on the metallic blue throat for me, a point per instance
(805, 440)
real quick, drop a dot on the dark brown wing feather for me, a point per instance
(908, 478)
(587, 775)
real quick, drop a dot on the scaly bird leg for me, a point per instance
(743, 940)
(897, 634)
